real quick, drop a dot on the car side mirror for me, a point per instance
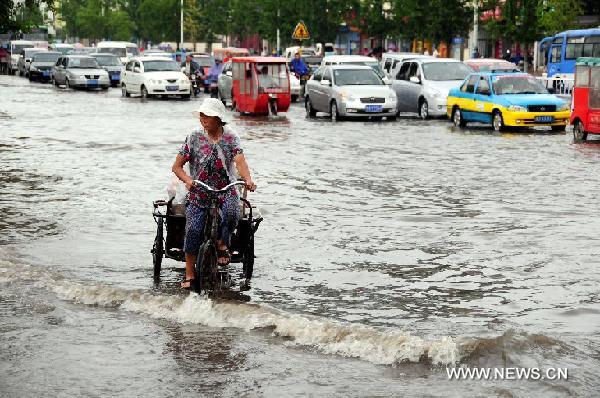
(229, 73)
(414, 79)
(136, 69)
(325, 82)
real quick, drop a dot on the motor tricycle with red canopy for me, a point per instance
(585, 116)
(261, 85)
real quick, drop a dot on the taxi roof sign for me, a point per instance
(301, 32)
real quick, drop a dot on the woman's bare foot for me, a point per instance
(223, 255)
(187, 284)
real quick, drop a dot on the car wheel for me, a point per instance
(424, 109)
(29, 77)
(124, 91)
(579, 133)
(68, 84)
(497, 121)
(144, 92)
(457, 118)
(294, 98)
(334, 112)
(310, 111)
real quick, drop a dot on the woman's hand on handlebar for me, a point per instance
(189, 184)
(250, 185)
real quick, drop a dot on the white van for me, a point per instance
(122, 49)
(355, 60)
(389, 61)
(16, 46)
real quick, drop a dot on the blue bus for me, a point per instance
(561, 50)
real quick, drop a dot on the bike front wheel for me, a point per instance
(205, 270)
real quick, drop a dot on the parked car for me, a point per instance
(422, 84)
(25, 59)
(41, 65)
(491, 65)
(151, 76)
(585, 117)
(349, 91)
(112, 64)
(389, 61)
(355, 60)
(225, 84)
(79, 71)
(506, 100)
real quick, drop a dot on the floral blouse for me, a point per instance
(211, 163)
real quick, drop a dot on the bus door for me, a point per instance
(555, 56)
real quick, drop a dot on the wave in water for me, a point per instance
(377, 345)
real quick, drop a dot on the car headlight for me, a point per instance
(517, 108)
(435, 93)
(392, 96)
(183, 81)
(564, 107)
(347, 96)
(32, 68)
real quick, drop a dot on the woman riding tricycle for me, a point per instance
(214, 153)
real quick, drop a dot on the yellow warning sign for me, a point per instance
(301, 32)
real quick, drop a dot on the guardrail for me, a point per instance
(562, 86)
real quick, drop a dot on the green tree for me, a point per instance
(158, 20)
(22, 16)
(558, 15)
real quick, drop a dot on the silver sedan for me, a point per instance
(349, 91)
(80, 71)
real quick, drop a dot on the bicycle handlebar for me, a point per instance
(222, 190)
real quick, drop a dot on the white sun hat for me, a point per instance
(212, 107)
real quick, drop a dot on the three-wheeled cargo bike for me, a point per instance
(209, 277)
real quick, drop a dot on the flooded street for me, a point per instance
(389, 251)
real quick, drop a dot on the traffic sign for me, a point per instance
(301, 32)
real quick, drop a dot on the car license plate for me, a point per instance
(544, 119)
(373, 108)
(172, 88)
(115, 77)
(92, 82)
(46, 73)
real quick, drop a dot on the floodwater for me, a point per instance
(389, 252)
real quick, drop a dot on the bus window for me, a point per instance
(558, 40)
(582, 76)
(591, 47)
(574, 47)
(555, 55)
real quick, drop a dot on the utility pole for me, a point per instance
(475, 27)
(278, 42)
(181, 27)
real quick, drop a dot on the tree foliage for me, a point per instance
(22, 16)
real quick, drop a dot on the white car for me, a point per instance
(153, 76)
